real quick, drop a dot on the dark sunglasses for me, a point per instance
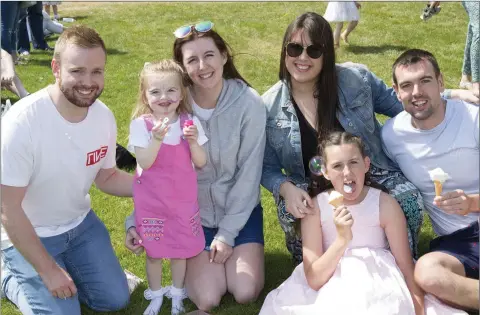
(201, 27)
(295, 50)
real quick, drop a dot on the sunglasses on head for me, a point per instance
(201, 27)
(295, 50)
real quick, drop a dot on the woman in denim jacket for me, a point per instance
(302, 108)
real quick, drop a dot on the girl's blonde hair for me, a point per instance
(163, 66)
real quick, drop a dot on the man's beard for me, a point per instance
(69, 94)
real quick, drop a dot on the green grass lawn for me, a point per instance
(138, 32)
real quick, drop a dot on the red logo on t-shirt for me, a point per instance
(95, 156)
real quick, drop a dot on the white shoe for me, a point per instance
(177, 305)
(156, 298)
(177, 296)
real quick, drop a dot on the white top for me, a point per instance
(55, 159)
(366, 229)
(453, 146)
(141, 137)
(204, 114)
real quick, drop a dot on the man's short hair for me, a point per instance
(413, 56)
(79, 35)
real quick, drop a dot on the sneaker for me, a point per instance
(133, 281)
(429, 12)
(24, 53)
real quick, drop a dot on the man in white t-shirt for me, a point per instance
(54, 144)
(435, 133)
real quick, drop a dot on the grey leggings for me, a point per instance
(471, 58)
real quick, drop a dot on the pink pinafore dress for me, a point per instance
(165, 199)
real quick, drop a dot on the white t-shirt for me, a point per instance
(141, 137)
(55, 159)
(453, 145)
(203, 113)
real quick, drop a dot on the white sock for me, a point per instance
(177, 295)
(177, 292)
(156, 298)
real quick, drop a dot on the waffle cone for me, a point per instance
(337, 202)
(438, 187)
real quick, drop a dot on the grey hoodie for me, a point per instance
(229, 184)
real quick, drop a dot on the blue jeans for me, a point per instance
(10, 14)
(86, 253)
(35, 19)
(23, 41)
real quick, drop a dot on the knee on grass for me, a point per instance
(244, 297)
(246, 293)
(207, 301)
(115, 300)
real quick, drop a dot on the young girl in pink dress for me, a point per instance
(356, 257)
(167, 142)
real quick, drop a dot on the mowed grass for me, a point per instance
(138, 32)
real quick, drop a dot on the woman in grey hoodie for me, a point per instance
(233, 117)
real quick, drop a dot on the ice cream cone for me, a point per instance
(438, 176)
(336, 202)
(335, 199)
(438, 187)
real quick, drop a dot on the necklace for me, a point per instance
(309, 112)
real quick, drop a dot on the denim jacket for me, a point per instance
(361, 94)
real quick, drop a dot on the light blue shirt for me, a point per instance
(453, 146)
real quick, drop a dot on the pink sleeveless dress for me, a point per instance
(165, 198)
(366, 281)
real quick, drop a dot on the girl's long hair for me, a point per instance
(326, 95)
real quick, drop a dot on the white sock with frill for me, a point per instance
(156, 298)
